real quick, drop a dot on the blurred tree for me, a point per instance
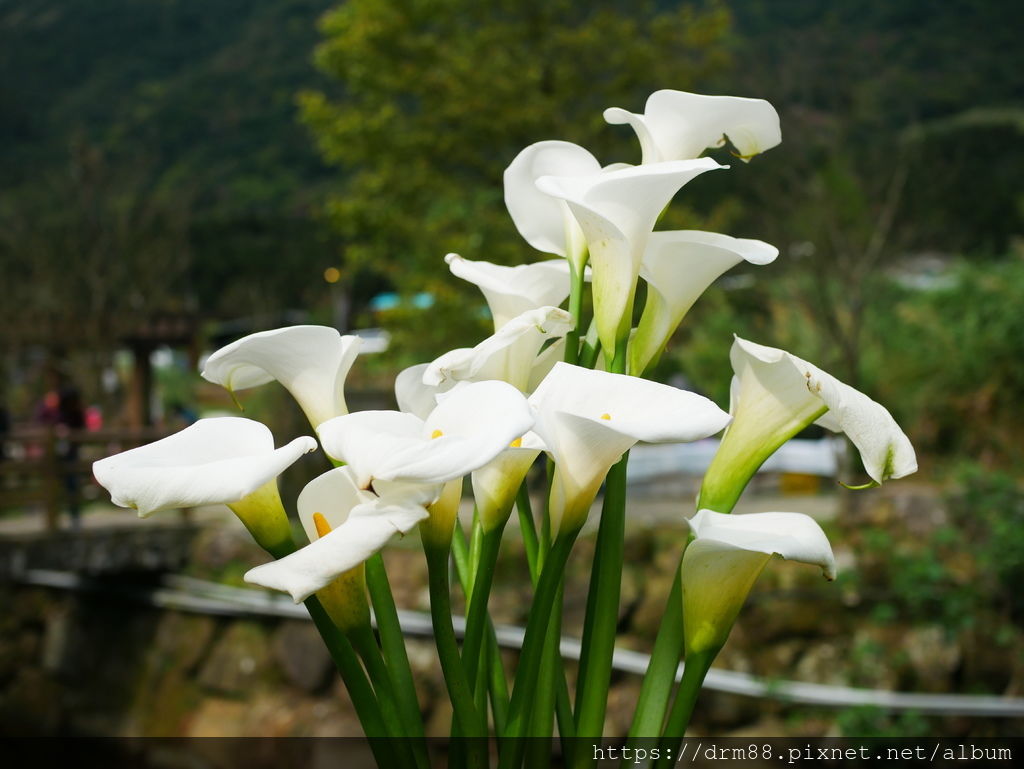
(437, 98)
(89, 256)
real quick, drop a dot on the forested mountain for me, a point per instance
(189, 106)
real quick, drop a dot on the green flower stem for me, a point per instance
(576, 290)
(475, 543)
(530, 657)
(363, 698)
(476, 614)
(566, 725)
(395, 656)
(365, 644)
(498, 687)
(661, 672)
(697, 666)
(602, 609)
(468, 721)
(538, 754)
(529, 529)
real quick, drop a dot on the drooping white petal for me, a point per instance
(508, 355)
(543, 221)
(726, 557)
(617, 211)
(511, 291)
(678, 267)
(469, 427)
(587, 419)
(365, 529)
(784, 383)
(212, 461)
(312, 362)
(677, 125)
(884, 448)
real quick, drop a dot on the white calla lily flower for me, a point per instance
(775, 396)
(617, 211)
(676, 125)
(346, 526)
(587, 419)
(726, 557)
(511, 291)
(311, 362)
(678, 267)
(212, 461)
(468, 428)
(545, 222)
(226, 460)
(509, 355)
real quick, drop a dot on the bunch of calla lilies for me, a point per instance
(550, 382)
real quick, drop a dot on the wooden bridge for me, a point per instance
(37, 482)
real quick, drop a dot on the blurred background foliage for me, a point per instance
(215, 159)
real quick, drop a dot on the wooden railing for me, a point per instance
(37, 469)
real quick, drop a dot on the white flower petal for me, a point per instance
(617, 211)
(508, 355)
(678, 267)
(726, 557)
(469, 427)
(793, 536)
(677, 125)
(541, 219)
(587, 419)
(474, 424)
(366, 529)
(368, 440)
(511, 291)
(790, 385)
(212, 461)
(332, 495)
(312, 362)
(884, 448)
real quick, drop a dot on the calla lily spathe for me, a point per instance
(774, 396)
(676, 125)
(678, 267)
(546, 223)
(726, 557)
(354, 525)
(587, 419)
(467, 429)
(617, 211)
(227, 460)
(509, 355)
(212, 461)
(511, 291)
(311, 362)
